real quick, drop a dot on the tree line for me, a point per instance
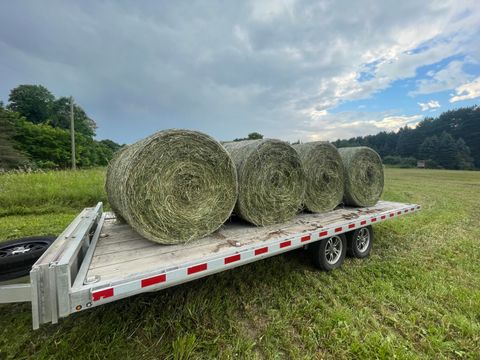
(35, 132)
(449, 141)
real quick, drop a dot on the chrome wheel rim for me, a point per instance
(14, 250)
(362, 240)
(333, 250)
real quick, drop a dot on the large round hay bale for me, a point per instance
(324, 174)
(271, 182)
(173, 186)
(363, 176)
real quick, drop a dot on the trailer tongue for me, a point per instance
(97, 260)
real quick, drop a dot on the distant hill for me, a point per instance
(451, 141)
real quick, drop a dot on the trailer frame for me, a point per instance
(59, 282)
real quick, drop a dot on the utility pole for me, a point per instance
(72, 134)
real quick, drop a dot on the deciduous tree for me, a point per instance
(10, 156)
(34, 102)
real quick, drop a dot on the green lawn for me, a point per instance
(416, 297)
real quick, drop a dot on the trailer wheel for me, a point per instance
(329, 254)
(360, 242)
(18, 256)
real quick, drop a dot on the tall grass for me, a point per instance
(50, 192)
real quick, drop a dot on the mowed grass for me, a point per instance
(416, 297)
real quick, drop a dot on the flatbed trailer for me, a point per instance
(97, 260)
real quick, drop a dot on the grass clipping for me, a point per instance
(363, 176)
(324, 174)
(174, 186)
(271, 182)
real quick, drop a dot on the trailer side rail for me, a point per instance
(52, 276)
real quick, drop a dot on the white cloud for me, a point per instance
(314, 113)
(350, 124)
(269, 10)
(393, 123)
(467, 91)
(430, 105)
(447, 78)
(242, 36)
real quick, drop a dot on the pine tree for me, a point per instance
(428, 149)
(407, 142)
(447, 151)
(464, 158)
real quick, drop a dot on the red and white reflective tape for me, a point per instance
(164, 278)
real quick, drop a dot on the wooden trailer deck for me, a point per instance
(121, 252)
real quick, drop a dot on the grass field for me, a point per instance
(416, 297)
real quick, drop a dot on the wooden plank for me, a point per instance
(122, 252)
(134, 244)
(141, 251)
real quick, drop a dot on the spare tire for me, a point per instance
(18, 256)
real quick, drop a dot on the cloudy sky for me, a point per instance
(288, 69)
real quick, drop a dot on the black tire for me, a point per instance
(360, 242)
(322, 255)
(18, 256)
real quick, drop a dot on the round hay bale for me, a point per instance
(363, 176)
(324, 174)
(271, 182)
(174, 186)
